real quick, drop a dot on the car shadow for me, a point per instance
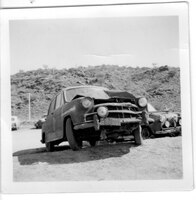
(34, 128)
(64, 155)
(162, 135)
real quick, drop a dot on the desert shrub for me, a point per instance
(171, 73)
(153, 86)
(43, 84)
(163, 68)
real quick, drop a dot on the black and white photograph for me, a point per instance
(96, 94)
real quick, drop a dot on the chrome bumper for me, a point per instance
(117, 122)
(169, 130)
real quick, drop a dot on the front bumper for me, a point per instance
(169, 130)
(109, 122)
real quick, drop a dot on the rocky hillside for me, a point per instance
(161, 85)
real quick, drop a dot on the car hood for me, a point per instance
(164, 114)
(119, 94)
(110, 96)
(116, 97)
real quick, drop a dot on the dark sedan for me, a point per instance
(92, 113)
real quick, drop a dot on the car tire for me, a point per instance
(73, 143)
(137, 133)
(146, 134)
(49, 146)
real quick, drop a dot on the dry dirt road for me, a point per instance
(159, 158)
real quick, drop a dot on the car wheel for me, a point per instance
(49, 146)
(137, 133)
(92, 142)
(73, 142)
(146, 133)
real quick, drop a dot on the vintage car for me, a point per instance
(40, 122)
(161, 122)
(15, 122)
(92, 113)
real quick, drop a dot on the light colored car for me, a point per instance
(40, 122)
(162, 122)
(15, 122)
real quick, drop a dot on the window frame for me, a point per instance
(60, 104)
(54, 105)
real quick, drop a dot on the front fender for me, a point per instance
(75, 111)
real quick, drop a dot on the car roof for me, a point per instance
(77, 86)
(84, 86)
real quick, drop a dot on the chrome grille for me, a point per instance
(117, 110)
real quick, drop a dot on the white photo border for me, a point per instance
(170, 9)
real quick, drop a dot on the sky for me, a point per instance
(66, 43)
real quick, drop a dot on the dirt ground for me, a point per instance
(159, 158)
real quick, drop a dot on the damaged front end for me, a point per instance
(114, 118)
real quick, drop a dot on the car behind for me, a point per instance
(15, 122)
(162, 122)
(38, 124)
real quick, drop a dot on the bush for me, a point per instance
(171, 73)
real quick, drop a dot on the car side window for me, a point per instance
(58, 101)
(51, 109)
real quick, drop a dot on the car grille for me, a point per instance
(121, 108)
(173, 124)
(117, 110)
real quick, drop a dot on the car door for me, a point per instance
(49, 122)
(57, 117)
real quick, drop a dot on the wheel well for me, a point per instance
(149, 129)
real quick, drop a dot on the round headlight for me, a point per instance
(180, 122)
(142, 102)
(167, 124)
(87, 102)
(102, 111)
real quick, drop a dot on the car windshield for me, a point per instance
(94, 92)
(150, 108)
